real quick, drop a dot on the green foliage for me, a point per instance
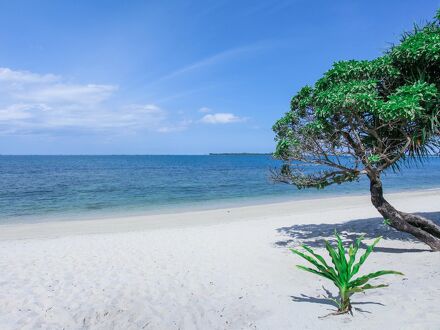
(345, 267)
(374, 158)
(409, 102)
(387, 222)
(388, 107)
(419, 52)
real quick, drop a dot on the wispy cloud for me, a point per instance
(207, 62)
(217, 58)
(221, 118)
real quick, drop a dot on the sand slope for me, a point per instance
(221, 269)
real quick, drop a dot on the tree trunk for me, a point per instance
(421, 228)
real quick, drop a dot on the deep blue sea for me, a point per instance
(40, 188)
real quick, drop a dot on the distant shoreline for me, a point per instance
(239, 154)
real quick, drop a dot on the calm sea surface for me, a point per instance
(39, 188)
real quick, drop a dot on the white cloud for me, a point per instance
(13, 76)
(32, 103)
(205, 110)
(221, 118)
(29, 87)
(67, 93)
(39, 118)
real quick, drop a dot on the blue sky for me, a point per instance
(173, 77)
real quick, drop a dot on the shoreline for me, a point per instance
(186, 217)
(184, 207)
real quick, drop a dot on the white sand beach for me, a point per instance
(217, 269)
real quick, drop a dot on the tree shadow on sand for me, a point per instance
(314, 235)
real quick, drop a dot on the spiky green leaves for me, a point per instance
(344, 267)
(419, 49)
(410, 102)
(348, 71)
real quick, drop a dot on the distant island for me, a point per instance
(240, 154)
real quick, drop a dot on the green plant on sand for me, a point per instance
(345, 267)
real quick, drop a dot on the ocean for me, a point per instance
(49, 188)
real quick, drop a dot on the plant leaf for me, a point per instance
(317, 256)
(319, 267)
(364, 279)
(364, 256)
(343, 261)
(321, 259)
(366, 287)
(314, 271)
(353, 253)
(334, 256)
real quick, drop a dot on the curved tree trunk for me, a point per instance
(423, 229)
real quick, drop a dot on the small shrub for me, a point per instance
(344, 269)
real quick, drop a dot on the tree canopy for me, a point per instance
(363, 117)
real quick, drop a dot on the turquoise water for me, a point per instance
(36, 188)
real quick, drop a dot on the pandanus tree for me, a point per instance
(366, 117)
